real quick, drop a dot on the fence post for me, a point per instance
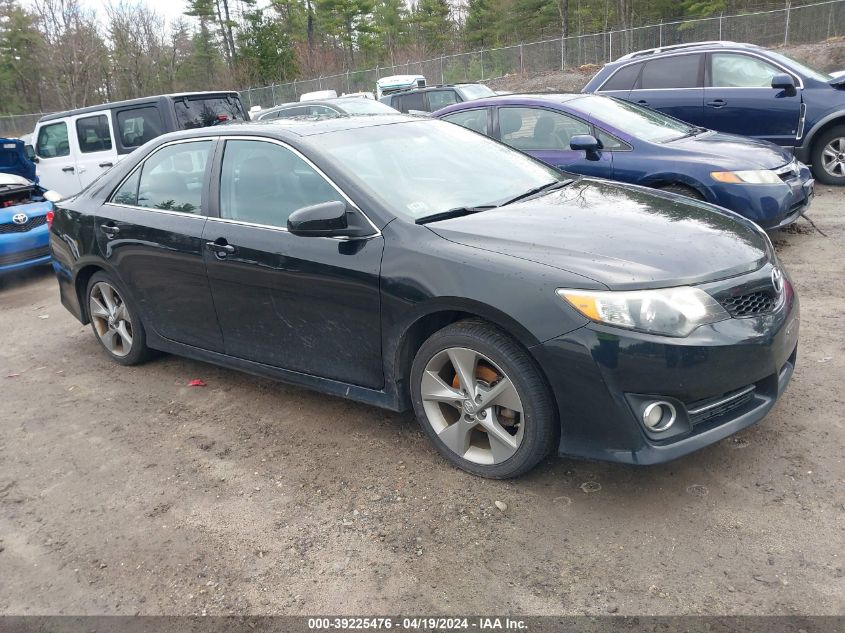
(348, 88)
(273, 90)
(610, 46)
(442, 81)
(786, 28)
(295, 93)
(522, 61)
(721, 15)
(482, 64)
(660, 38)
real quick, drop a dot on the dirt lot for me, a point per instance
(122, 490)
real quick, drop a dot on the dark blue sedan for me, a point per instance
(611, 138)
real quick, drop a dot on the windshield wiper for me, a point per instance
(457, 212)
(549, 186)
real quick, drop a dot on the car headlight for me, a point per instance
(752, 177)
(670, 311)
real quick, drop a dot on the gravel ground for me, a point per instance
(124, 491)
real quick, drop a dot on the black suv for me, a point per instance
(433, 98)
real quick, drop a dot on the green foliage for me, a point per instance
(265, 52)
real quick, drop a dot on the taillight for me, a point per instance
(50, 216)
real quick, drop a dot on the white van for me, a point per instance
(73, 148)
(395, 83)
(318, 95)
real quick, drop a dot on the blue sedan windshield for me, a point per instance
(635, 120)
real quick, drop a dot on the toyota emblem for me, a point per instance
(20, 218)
(777, 280)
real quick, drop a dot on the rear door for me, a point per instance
(739, 99)
(673, 84)
(545, 134)
(56, 157)
(150, 231)
(306, 304)
(95, 140)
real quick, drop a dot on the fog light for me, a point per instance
(659, 416)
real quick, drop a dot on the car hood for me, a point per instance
(734, 152)
(838, 80)
(622, 236)
(13, 159)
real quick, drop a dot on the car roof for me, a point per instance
(133, 102)
(435, 87)
(302, 127)
(691, 47)
(517, 97)
(336, 101)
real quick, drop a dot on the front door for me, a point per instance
(56, 158)
(740, 99)
(151, 232)
(545, 134)
(306, 304)
(95, 139)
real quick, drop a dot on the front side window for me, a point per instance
(170, 179)
(441, 98)
(202, 112)
(139, 125)
(539, 129)
(53, 141)
(93, 134)
(475, 120)
(263, 183)
(678, 71)
(732, 70)
(476, 91)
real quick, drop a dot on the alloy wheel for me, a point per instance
(110, 318)
(833, 157)
(472, 406)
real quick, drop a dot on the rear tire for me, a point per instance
(115, 322)
(682, 190)
(502, 425)
(828, 156)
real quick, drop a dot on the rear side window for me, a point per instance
(290, 112)
(623, 79)
(93, 134)
(53, 141)
(475, 120)
(170, 179)
(263, 183)
(680, 71)
(413, 101)
(194, 113)
(731, 70)
(139, 125)
(441, 98)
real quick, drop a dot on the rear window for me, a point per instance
(679, 71)
(194, 113)
(139, 125)
(413, 101)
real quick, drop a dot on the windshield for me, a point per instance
(476, 91)
(635, 120)
(365, 106)
(419, 168)
(799, 67)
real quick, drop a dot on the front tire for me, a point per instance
(682, 190)
(482, 401)
(116, 325)
(828, 157)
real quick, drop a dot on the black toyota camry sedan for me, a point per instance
(411, 263)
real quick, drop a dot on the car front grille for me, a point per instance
(749, 304)
(11, 227)
(715, 407)
(24, 256)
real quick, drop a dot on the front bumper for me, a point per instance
(19, 250)
(721, 379)
(772, 206)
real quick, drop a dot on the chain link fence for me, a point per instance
(790, 25)
(14, 125)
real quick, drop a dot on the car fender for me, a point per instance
(657, 179)
(807, 143)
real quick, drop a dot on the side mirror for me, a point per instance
(586, 142)
(784, 82)
(319, 220)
